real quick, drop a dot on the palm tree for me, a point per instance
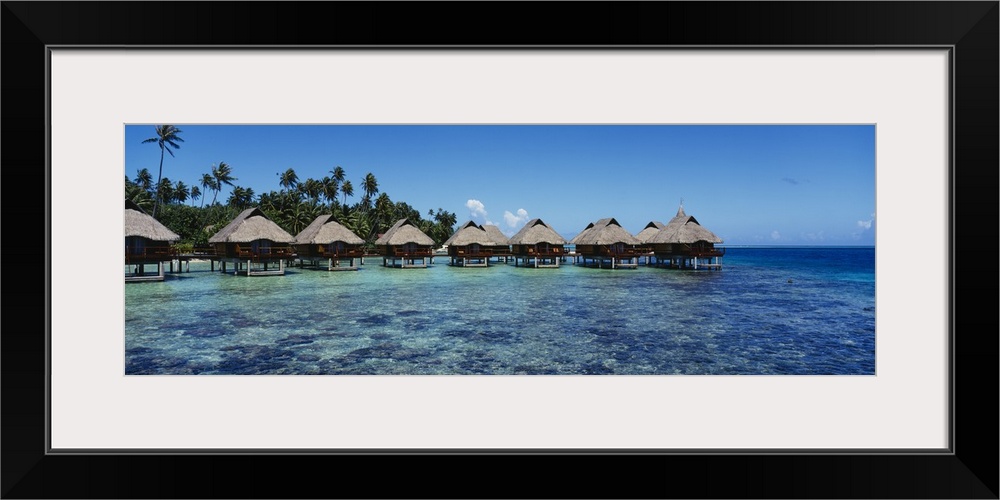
(208, 183)
(195, 194)
(348, 190)
(241, 197)
(167, 136)
(164, 190)
(370, 185)
(288, 179)
(138, 195)
(222, 174)
(338, 174)
(330, 190)
(181, 192)
(144, 179)
(312, 188)
(296, 217)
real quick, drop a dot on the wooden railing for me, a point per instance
(482, 252)
(707, 252)
(344, 254)
(703, 252)
(621, 252)
(552, 252)
(417, 252)
(270, 253)
(148, 254)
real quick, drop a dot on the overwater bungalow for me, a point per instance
(537, 243)
(327, 241)
(684, 244)
(643, 236)
(501, 247)
(254, 241)
(147, 242)
(470, 246)
(607, 243)
(405, 244)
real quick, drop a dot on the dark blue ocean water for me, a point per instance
(808, 311)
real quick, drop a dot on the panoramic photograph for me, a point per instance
(499, 249)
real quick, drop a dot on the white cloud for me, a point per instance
(476, 208)
(514, 220)
(863, 225)
(775, 235)
(813, 236)
(866, 224)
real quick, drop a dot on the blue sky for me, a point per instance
(749, 184)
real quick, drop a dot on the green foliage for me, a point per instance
(195, 225)
(183, 247)
(293, 208)
(138, 195)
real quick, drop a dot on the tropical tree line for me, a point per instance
(185, 209)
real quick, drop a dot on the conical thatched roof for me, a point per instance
(536, 231)
(250, 225)
(605, 232)
(495, 234)
(471, 233)
(684, 228)
(649, 231)
(403, 232)
(139, 223)
(324, 230)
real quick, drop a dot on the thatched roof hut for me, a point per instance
(604, 232)
(473, 245)
(683, 229)
(649, 231)
(403, 232)
(470, 233)
(251, 225)
(538, 243)
(536, 231)
(325, 230)
(147, 241)
(140, 224)
(326, 239)
(406, 243)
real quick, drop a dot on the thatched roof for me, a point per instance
(495, 234)
(325, 230)
(536, 231)
(649, 231)
(471, 233)
(403, 232)
(139, 223)
(250, 225)
(582, 233)
(605, 232)
(684, 228)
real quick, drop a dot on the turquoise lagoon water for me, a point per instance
(768, 311)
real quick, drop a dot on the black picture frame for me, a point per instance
(969, 28)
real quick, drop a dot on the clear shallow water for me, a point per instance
(745, 319)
